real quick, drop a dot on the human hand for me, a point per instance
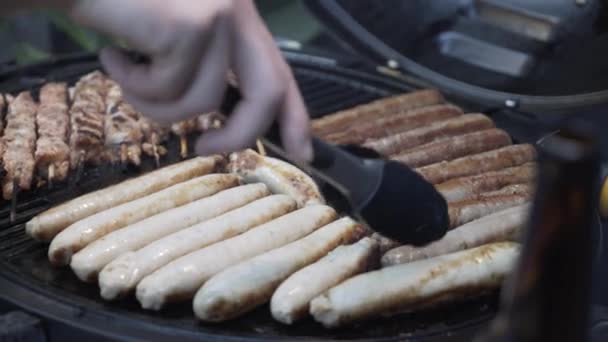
(192, 45)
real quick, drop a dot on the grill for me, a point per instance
(28, 281)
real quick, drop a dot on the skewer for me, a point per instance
(261, 148)
(183, 143)
(124, 154)
(80, 166)
(15, 194)
(156, 155)
(51, 175)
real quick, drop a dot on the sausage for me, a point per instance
(90, 260)
(290, 302)
(468, 210)
(243, 287)
(514, 189)
(122, 275)
(467, 187)
(281, 177)
(505, 225)
(404, 141)
(395, 123)
(47, 225)
(455, 147)
(420, 284)
(385, 244)
(83, 232)
(375, 110)
(508, 156)
(179, 279)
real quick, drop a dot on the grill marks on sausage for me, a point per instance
(405, 141)
(375, 110)
(508, 156)
(395, 123)
(455, 147)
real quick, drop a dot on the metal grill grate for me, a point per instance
(58, 294)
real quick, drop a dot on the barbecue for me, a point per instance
(274, 201)
(117, 242)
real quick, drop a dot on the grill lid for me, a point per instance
(534, 55)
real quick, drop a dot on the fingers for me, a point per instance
(203, 95)
(294, 123)
(162, 80)
(262, 81)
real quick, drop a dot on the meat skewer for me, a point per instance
(87, 117)
(20, 142)
(395, 123)
(122, 128)
(455, 147)
(407, 140)
(52, 151)
(468, 187)
(505, 225)
(508, 156)
(375, 110)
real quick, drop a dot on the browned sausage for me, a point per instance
(513, 189)
(468, 210)
(466, 187)
(374, 110)
(385, 244)
(505, 225)
(456, 147)
(404, 141)
(395, 123)
(508, 156)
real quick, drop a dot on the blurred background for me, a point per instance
(35, 36)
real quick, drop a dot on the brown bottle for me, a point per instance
(547, 296)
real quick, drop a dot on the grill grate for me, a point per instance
(57, 293)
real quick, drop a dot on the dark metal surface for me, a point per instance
(29, 282)
(536, 55)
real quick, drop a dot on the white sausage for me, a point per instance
(504, 225)
(48, 224)
(90, 260)
(244, 286)
(83, 232)
(281, 177)
(180, 279)
(416, 285)
(290, 301)
(122, 275)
